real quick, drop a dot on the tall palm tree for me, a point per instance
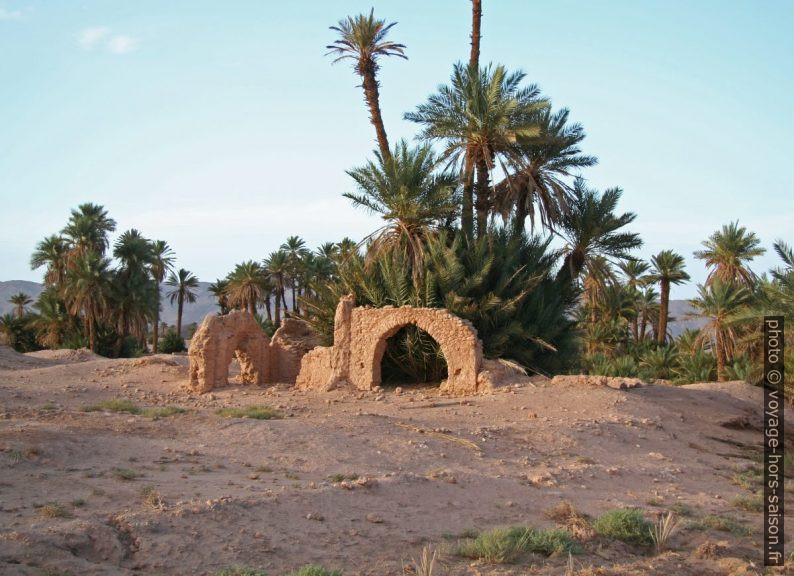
(51, 252)
(728, 251)
(408, 196)
(220, 289)
(247, 285)
(551, 159)
(719, 303)
(20, 300)
(481, 118)
(87, 290)
(87, 230)
(135, 293)
(183, 283)
(591, 227)
(667, 269)
(363, 40)
(295, 247)
(51, 321)
(162, 263)
(648, 310)
(635, 272)
(277, 267)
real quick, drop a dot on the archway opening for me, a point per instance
(412, 357)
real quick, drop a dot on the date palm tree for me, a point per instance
(277, 267)
(362, 39)
(296, 250)
(635, 273)
(667, 269)
(590, 228)
(162, 263)
(728, 251)
(20, 300)
(411, 199)
(719, 303)
(135, 293)
(481, 117)
(87, 230)
(184, 284)
(551, 160)
(51, 321)
(220, 289)
(87, 290)
(51, 252)
(247, 285)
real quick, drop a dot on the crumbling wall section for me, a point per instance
(360, 337)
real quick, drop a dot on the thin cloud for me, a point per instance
(96, 37)
(90, 37)
(122, 44)
(10, 14)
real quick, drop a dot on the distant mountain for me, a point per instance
(205, 304)
(195, 312)
(8, 289)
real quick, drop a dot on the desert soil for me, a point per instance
(358, 482)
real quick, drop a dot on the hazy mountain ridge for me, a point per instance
(195, 312)
(205, 304)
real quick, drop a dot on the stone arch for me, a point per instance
(360, 336)
(458, 340)
(221, 338)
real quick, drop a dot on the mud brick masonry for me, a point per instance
(360, 337)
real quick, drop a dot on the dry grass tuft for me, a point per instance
(53, 510)
(426, 563)
(662, 531)
(151, 497)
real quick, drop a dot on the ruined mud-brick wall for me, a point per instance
(360, 338)
(220, 338)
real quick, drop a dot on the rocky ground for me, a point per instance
(362, 482)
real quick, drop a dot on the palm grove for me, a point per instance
(470, 216)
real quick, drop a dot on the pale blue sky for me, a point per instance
(222, 128)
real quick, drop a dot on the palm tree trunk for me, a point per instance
(635, 332)
(180, 301)
(156, 322)
(476, 19)
(91, 323)
(252, 306)
(467, 216)
(664, 300)
(371, 95)
(267, 307)
(643, 324)
(720, 353)
(483, 203)
(521, 210)
(278, 312)
(294, 296)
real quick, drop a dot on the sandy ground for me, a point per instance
(195, 492)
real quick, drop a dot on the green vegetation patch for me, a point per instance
(726, 524)
(53, 510)
(239, 571)
(627, 525)
(122, 405)
(506, 545)
(257, 412)
(310, 570)
(163, 411)
(125, 474)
